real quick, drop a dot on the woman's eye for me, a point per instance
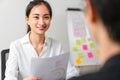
(46, 17)
(36, 17)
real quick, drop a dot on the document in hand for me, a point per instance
(52, 68)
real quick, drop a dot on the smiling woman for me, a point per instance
(39, 19)
(34, 44)
(36, 15)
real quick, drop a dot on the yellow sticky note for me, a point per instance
(78, 42)
(92, 45)
(80, 55)
(75, 49)
(89, 39)
(97, 52)
(81, 25)
(78, 62)
(83, 40)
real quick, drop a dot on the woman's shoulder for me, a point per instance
(19, 40)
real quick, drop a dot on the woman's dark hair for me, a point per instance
(34, 3)
(109, 12)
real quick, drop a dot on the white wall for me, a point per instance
(13, 26)
(58, 29)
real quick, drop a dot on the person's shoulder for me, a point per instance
(15, 44)
(18, 41)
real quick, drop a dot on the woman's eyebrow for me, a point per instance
(39, 14)
(46, 14)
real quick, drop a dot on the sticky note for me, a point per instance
(78, 42)
(77, 32)
(89, 39)
(78, 61)
(75, 49)
(81, 25)
(90, 55)
(97, 52)
(83, 40)
(80, 55)
(85, 47)
(92, 45)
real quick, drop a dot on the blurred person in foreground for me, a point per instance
(103, 19)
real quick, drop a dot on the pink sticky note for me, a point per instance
(77, 32)
(90, 55)
(85, 47)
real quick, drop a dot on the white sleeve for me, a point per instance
(71, 70)
(11, 72)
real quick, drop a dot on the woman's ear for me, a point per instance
(27, 20)
(90, 11)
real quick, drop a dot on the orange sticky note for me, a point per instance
(85, 47)
(90, 55)
(97, 52)
(78, 61)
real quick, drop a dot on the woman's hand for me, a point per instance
(31, 78)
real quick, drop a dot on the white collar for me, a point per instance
(26, 40)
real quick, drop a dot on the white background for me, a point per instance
(13, 25)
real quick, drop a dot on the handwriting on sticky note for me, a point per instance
(90, 55)
(92, 45)
(78, 62)
(75, 49)
(80, 55)
(85, 47)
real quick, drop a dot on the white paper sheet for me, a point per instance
(53, 68)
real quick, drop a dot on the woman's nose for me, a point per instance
(41, 21)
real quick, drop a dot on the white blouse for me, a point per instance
(21, 52)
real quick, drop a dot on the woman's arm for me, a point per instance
(11, 72)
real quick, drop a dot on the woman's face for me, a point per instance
(39, 19)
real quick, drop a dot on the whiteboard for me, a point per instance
(83, 50)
